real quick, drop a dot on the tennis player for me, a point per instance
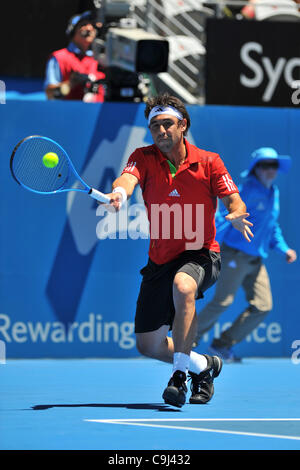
(180, 184)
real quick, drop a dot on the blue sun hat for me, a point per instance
(268, 153)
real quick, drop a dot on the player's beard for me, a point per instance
(165, 144)
(168, 143)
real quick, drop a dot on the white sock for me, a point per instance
(181, 362)
(198, 362)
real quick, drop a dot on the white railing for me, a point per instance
(182, 22)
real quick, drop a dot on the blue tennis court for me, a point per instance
(116, 404)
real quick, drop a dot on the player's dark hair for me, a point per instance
(168, 100)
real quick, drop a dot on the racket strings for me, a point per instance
(28, 167)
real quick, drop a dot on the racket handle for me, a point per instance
(98, 195)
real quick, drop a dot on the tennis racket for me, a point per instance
(30, 169)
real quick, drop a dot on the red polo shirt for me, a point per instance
(181, 209)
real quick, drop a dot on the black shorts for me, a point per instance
(155, 306)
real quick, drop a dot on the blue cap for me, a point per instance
(268, 153)
(73, 22)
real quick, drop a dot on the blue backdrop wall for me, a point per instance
(68, 288)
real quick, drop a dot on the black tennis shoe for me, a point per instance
(175, 393)
(202, 385)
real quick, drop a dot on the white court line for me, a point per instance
(144, 422)
(192, 419)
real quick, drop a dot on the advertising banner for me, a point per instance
(252, 63)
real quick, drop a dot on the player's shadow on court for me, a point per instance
(129, 406)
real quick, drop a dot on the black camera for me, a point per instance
(89, 83)
(129, 53)
(124, 53)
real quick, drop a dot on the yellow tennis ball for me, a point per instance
(50, 160)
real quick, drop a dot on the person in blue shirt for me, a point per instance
(243, 262)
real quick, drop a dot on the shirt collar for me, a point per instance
(191, 157)
(73, 48)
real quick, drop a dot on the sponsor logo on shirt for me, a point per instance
(174, 193)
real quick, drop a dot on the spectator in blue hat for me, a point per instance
(72, 73)
(242, 262)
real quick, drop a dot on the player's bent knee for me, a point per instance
(184, 285)
(145, 347)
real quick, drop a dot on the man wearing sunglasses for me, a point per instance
(243, 263)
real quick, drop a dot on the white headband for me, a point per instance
(164, 110)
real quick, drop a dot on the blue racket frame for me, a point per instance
(95, 194)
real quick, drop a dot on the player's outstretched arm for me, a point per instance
(238, 215)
